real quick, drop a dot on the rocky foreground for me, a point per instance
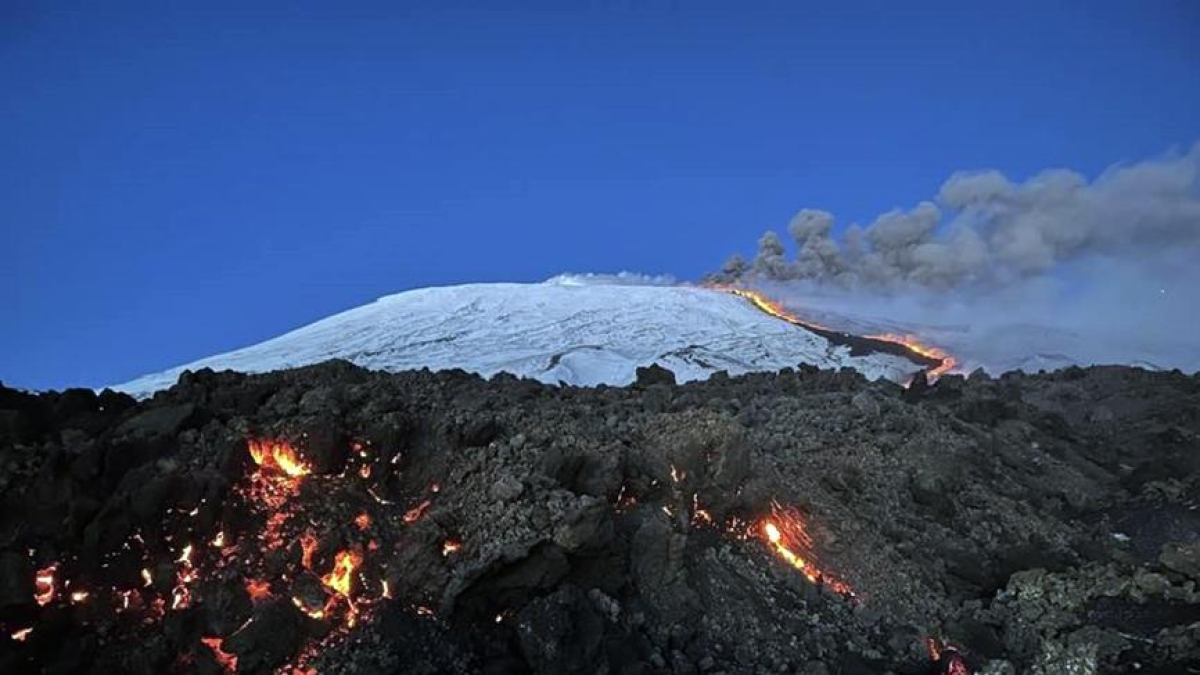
(336, 520)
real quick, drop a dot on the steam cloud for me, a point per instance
(983, 230)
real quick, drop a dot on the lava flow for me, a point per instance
(771, 307)
(945, 362)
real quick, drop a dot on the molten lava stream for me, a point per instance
(910, 342)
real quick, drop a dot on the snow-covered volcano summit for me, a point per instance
(560, 331)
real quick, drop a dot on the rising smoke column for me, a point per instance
(983, 230)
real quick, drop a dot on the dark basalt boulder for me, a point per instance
(273, 636)
(653, 374)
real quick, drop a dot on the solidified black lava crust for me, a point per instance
(1034, 523)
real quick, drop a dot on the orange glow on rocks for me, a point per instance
(362, 521)
(786, 533)
(308, 547)
(317, 613)
(280, 456)
(258, 589)
(451, 546)
(44, 585)
(22, 634)
(228, 661)
(414, 514)
(339, 580)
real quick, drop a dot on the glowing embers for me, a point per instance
(414, 514)
(44, 585)
(362, 521)
(273, 486)
(228, 661)
(308, 547)
(341, 577)
(181, 595)
(947, 658)
(279, 456)
(785, 532)
(22, 634)
(947, 361)
(258, 590)
(451, 546)
(700, 515)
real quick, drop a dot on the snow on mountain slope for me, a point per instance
(580, 334)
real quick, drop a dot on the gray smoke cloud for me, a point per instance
(984, 230)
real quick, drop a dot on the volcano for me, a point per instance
(560, 332)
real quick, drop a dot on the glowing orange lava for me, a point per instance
(181, 595)
(947, 657)
(700, 515)
(279, 455)
(258, 589)
(769, 306)
(341, 577)
(787, 535)
(228, 661)
(308, 547)
(362, 521)
(911, 342)
(414, 514)
(318, 613)
(44, 585)
(450, 546)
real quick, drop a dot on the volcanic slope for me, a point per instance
(578, 334)
(341, 521)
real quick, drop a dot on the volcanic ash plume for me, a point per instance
(983, 230)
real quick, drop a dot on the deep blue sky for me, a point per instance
(180, 182)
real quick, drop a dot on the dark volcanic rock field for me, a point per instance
(336, 520)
